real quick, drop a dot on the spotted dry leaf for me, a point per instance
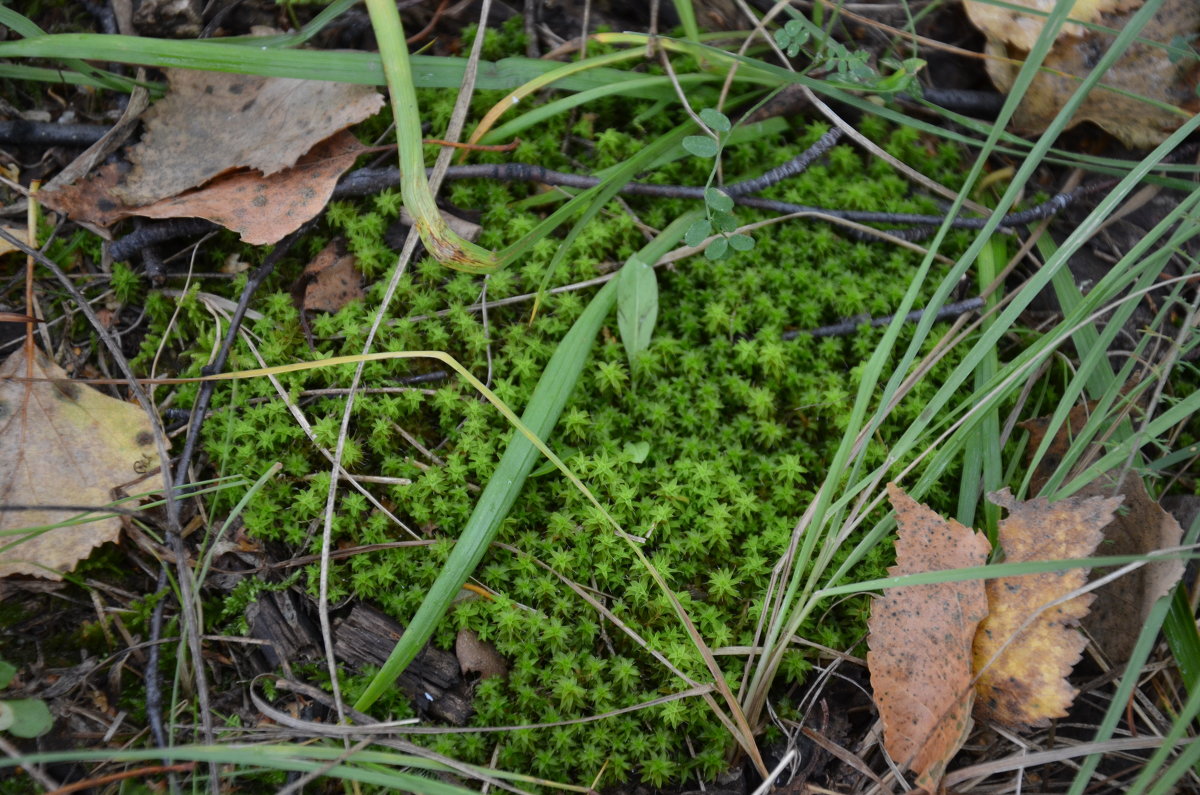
(266, 209)
(210, 123)
(330, 281)
(920, 641)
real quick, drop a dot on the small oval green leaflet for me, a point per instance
(724, 222)
(637, 306)
(716, 120)
(637, 451)
(717, 249)
(697, 232)
(718, 200)
(741, 242)
(25, 717)
(701, 145)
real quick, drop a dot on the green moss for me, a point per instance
(738, 426)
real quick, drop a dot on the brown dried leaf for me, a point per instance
(1144, 70)
(91, 199)
(1059, 445)
(212, 122)
(478, 656)
(920, 641)
(1123, 605)
(1023, 653)
(330, 281)
(264, 210)
(63, 443)
(1021, 30)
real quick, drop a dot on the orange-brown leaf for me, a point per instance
(262, 209)
(1024, 649)
(330, 281)
(265, 209)
(920, 641)
(63, 443)
(477, 656)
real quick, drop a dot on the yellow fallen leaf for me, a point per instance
(1022, 663)
(63, 443)
(920, 641)
(17, 232)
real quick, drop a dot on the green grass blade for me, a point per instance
(306, 33)
(560, 72)
(446, 246)
(687, 18)
(797, 602)
(653, 87)
(42, 74)
(1184, 640)
(1084, 777)
(443, 243)
(1180, 627)
(982, 466)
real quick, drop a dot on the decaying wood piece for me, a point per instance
(278, 618)
(363, 636)
(366, 637)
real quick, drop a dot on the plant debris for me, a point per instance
(212, 122)
(267, 151)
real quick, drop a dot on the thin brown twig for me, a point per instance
(511, 146)
(437, 16)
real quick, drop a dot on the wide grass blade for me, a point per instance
(26, 27)
(381, 768)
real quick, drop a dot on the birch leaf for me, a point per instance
(211, 122)
(920, 641)
(1027, 645)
